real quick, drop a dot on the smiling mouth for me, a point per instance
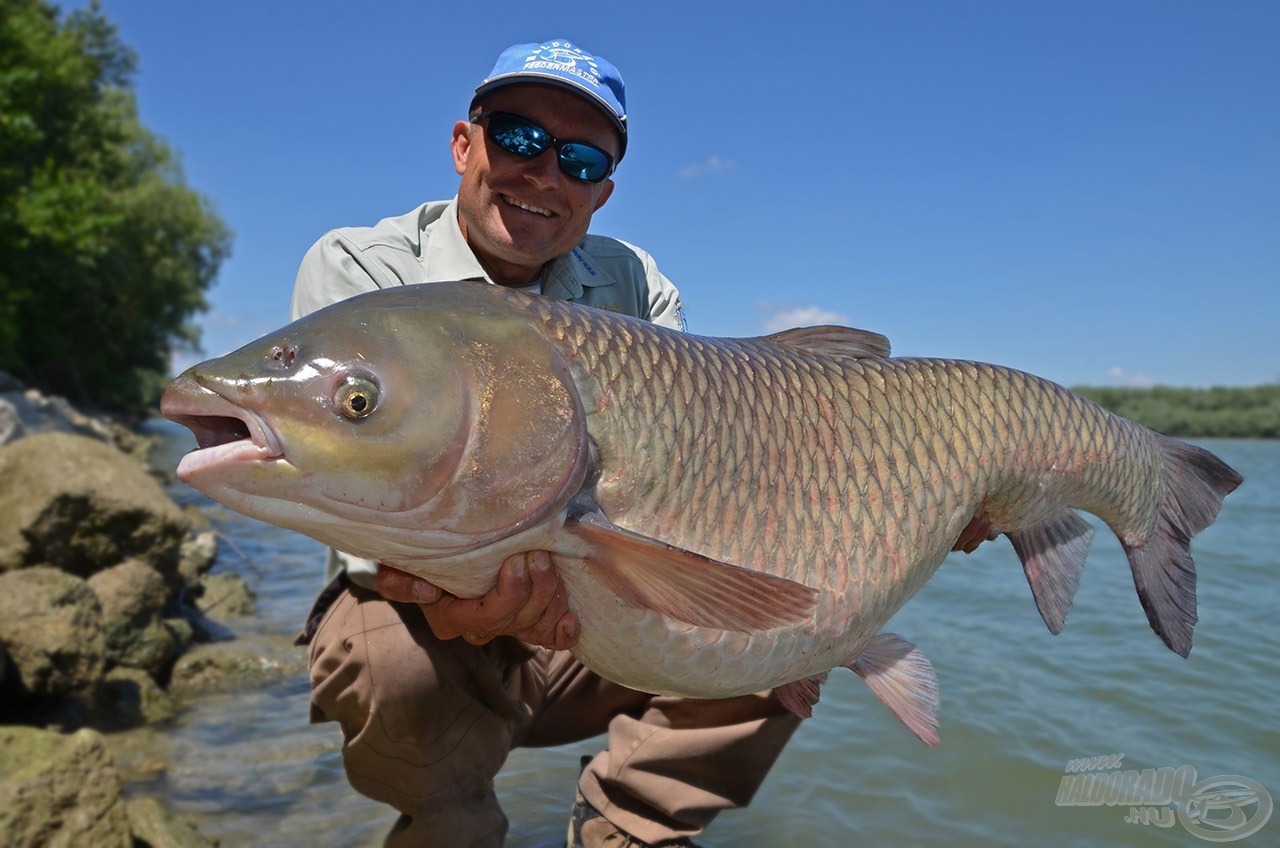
(537, 210)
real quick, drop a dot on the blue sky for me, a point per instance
(1086, 190)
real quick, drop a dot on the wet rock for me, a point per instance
(155, 827)
(51, 627)
(246, 661)
(59, 790)
(134, 597)
(81, 505)
(224, 597)
(129, 697)
(197, 552)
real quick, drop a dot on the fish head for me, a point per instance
(395, 424)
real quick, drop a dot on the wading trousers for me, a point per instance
(427, 725)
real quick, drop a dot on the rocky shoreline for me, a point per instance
(110, 620)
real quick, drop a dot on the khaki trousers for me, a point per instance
(427, 725)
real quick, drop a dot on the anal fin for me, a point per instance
(1052, 554)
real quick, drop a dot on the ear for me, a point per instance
(606, 189)
(460, 144)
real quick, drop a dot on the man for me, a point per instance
(432, 691)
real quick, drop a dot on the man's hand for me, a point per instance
(528, 602)
(977, 531)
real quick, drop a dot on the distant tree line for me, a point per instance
(1225, 412)
(105, 252)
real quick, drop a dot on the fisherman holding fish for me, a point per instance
(433, 691)
(513, 448)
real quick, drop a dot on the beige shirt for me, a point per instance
(427, 246)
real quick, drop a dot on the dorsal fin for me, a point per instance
(831, 340)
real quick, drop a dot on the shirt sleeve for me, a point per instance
(334, 269)
(665, 307)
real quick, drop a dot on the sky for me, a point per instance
(1088, 190)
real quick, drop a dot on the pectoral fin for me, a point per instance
(902, 677)
(686, 586)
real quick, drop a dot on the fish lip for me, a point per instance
(191, 403)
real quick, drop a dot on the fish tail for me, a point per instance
(1164, 574)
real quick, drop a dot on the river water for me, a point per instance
(1018, 705)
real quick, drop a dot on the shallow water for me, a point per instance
(1018, 704)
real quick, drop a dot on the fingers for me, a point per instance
(545, 618)
(529, 601)
(396, 585)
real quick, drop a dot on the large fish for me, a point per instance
(729, 515)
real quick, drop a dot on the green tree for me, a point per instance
(105, 252)
(1222, 411)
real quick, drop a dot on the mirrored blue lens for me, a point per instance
(583, 161)
(522, 137)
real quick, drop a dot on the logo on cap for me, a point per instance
(563, 57)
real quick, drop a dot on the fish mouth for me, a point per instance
(224, 431)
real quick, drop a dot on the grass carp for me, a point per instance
(729, 515)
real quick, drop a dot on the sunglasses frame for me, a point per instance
(553, 143)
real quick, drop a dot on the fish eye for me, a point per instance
(356, 397)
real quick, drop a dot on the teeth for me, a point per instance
(546, 213)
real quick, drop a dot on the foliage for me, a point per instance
(105, 252)
(1227, 412)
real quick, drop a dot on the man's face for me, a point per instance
(518, 214)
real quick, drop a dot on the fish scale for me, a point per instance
(729, 515)
(895, 482)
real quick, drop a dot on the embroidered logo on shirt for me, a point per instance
(582, 260)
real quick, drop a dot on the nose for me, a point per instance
(543, 171)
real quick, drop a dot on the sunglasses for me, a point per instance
(522, 137)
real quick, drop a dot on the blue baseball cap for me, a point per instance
(567, 66)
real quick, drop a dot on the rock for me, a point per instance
(59, 790)
(82, 505)
(133, 597)
(155, 827)
(224, 597)
(197, 553)
(130, 697)
(51, 627)
(26, 412)
(247, 660)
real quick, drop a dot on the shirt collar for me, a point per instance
(447, 256)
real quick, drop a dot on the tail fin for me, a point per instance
(1196, 481)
